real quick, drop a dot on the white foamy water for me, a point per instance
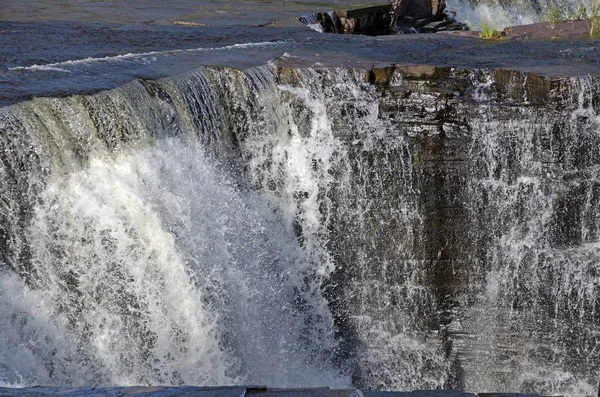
(154, 268)
(537, 309)
(501, 14)
(492, 15)
(285, 226)
(313, 168)
(140, 57)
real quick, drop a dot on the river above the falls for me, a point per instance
(71, 47)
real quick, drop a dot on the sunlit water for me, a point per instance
(221, 227)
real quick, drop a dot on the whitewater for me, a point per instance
(287, 219)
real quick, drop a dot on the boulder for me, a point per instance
(398, 16)
(418, 8)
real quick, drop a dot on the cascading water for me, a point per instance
(148, 262)
(499, 14)
(446, 224)
(303, 227)
(538, 309)
(332, 164)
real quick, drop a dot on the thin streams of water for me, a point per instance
(220, 226)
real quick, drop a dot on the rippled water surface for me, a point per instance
(216, 12)
(37, 58)
(65, 47)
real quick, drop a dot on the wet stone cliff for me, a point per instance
(408, 227)
(463, 226)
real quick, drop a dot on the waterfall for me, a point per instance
(459, 233)
(136, 254)
(305, 227)
(331, 167)
(537, 311)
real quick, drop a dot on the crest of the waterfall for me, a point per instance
(148, 260)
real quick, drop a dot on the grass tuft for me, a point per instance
(489, 32)
(581, 12)
(554, 16)
(594, 18)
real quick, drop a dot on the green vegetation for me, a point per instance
(580, 13)
(562, 12)
(488, 32)
(559, 12)
(554, 15)
(594, 18)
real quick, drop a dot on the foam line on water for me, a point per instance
(59, 66)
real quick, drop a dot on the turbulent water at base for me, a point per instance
(285, 227)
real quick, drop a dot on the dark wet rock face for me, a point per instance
(407, 16)
(460, 218)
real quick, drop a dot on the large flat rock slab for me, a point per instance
(547, 30)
